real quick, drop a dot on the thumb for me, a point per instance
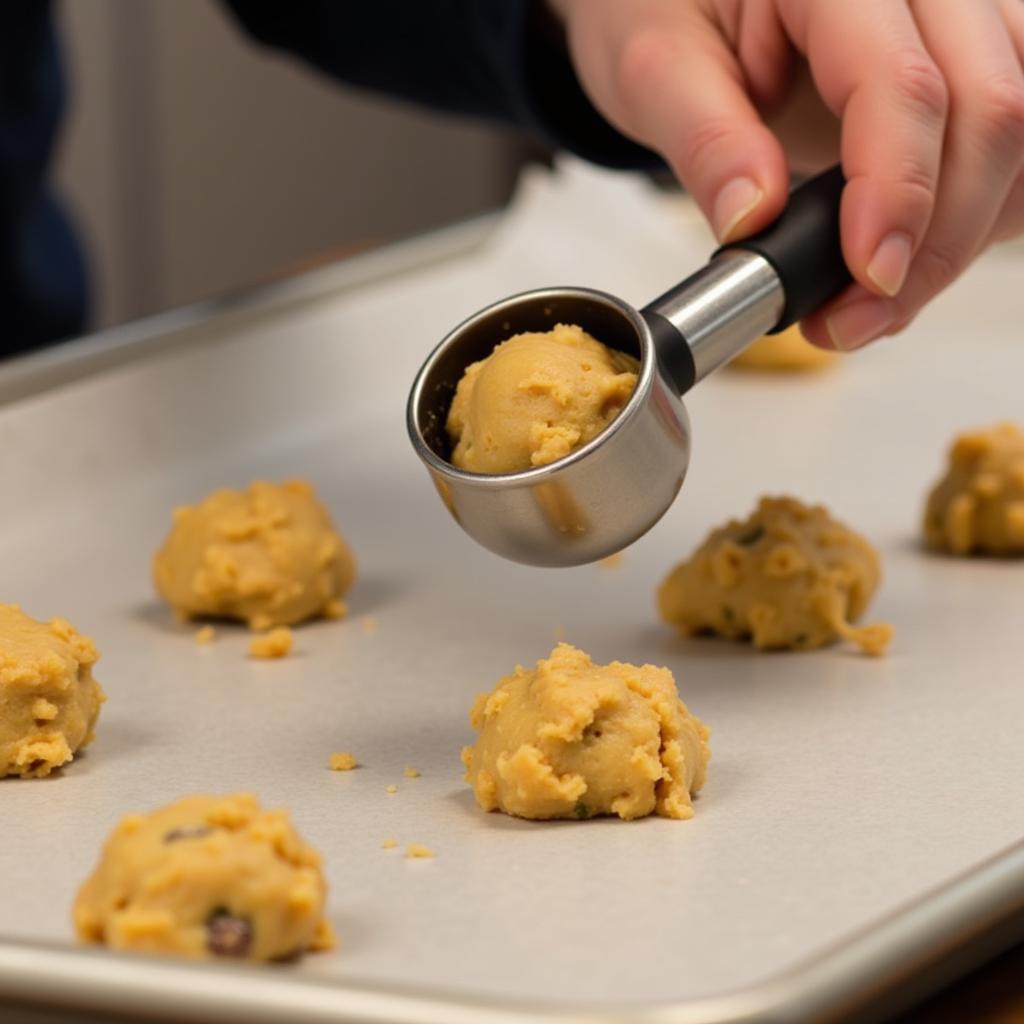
(684, 97)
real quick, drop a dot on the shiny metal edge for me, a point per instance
(875, 972)
(36, 372)
(537, 474)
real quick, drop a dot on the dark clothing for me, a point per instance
(502, 60)
(42, 276)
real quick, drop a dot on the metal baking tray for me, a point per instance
(860, 834)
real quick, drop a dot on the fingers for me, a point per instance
(893, 101)
(982, 160)
(711, 134)
(1011, 219)
(985, 144)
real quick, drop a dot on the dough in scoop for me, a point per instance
(206, 877)
(788, 576)
(978, 506)
(49, 701)
(786, 351)
(268, 555)
(571, 739)
(535, 399)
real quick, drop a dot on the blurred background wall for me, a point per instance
(196, 162)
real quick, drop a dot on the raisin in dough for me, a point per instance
(535, 399)
(787, 351)
(206, 877)
(49, 701)
(788, 576)
(268, 555)
(978, 506)
(571, 739)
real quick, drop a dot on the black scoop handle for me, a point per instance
(803, 246)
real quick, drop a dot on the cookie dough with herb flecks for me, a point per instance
(787, 576)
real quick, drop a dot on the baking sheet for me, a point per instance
(841, 788)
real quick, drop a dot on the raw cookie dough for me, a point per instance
(268, 555)
(536, 398)
(49, 701)
(788, 576)
(978, 506)
(275, 644)
(571, 739)
(206, 877)
(787, 350)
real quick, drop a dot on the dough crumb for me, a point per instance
(275, 644)
(417, 851)
(788, 576)
(411, 773)
(268, 555)
(343, 761)
(389, 844)
(49, 700)
(205, 635)
(392, 790)
(369, 625)
(207, 877)
(335, 609)
(789, 351)
(977, 508)
(536, 398)
(613, 561)
(571, 739)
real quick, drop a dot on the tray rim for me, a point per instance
(32, 373)
(872, 972)
(914, 949)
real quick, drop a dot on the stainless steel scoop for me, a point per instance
(604, 495)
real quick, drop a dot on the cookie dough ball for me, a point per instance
(536, 398)
(268, 555)
(49, 701)
(978, 506)
(788, 350)
(571, 739)
(206, 877)
(788, 576)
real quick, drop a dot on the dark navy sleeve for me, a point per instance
(42, 274)
(503, 60)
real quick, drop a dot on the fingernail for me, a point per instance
(858, 323)
(888, 267)
(733, 203)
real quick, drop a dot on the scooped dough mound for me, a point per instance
(787, 576)
(978, 506)
(788, 351)
(206, 877)
(268, 555)
(49, 701)
(571, 739)
(536, 398)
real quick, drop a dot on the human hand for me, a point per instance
(927, 97)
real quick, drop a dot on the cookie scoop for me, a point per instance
(604, 494)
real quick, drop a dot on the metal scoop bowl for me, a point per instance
(607, 493)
